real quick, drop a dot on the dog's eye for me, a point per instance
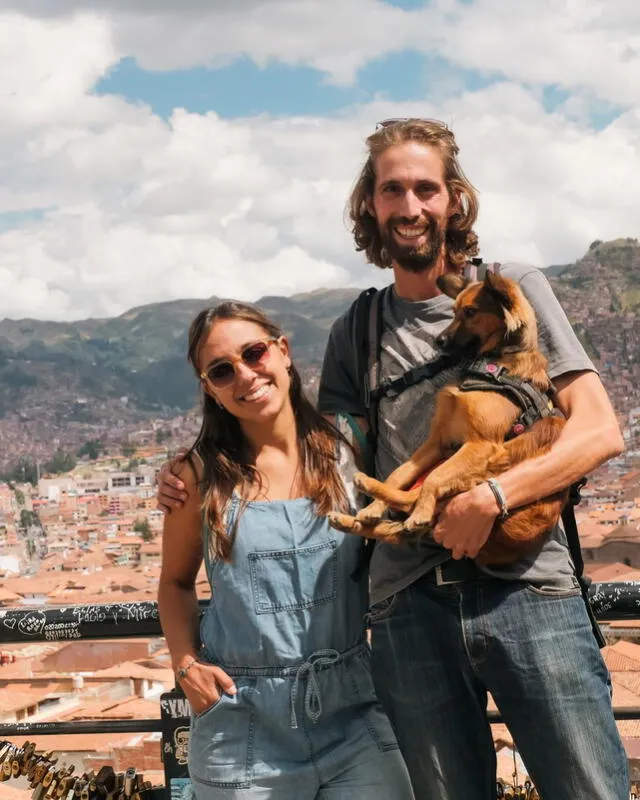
(469, 312)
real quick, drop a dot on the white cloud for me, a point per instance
(587, 45)
(138, 209)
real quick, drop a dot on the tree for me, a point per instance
(142, 527)
(127, 449)
(28, 518)
(19, 497)
(162, 435)
(23, 471)
(61, 462)
(92, 448)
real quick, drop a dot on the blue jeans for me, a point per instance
(437, 651)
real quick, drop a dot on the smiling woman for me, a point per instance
(278, 672)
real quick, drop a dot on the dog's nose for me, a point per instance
(442, 341)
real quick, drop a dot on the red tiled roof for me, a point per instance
(130, 708)
(19, 698)
(129, 669)
(607, 572)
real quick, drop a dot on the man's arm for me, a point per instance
(590, 437)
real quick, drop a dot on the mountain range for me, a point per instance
(135, 363)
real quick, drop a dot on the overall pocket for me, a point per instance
(371, 710)
(287, 580)
(221, 740)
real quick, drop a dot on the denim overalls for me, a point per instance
(287, 622)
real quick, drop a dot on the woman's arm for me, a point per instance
(177, 601)
(181, 560)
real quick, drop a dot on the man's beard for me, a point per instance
(413, 259)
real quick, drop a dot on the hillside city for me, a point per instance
(93, 536)
(79, 526)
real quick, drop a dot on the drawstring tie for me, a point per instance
(312, 701)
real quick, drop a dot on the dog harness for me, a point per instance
(485, 375)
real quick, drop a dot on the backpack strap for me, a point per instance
(476, 269)
(573, 542)
(373, 360)
(366, 334)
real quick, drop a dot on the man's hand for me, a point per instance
(171, 490)
(465, 522)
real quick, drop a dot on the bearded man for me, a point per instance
(445, 630)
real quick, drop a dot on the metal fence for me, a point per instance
(609, 601)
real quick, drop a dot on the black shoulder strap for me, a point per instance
(360, 337)
(366, 336)
(573, 541)
(476, 269)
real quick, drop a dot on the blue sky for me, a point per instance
(246, 89)
(150, 151)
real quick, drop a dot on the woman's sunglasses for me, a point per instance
(222, 373)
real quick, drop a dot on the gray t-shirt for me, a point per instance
(409, 331)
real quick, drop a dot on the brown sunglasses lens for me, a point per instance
(254, 353)
(222, 374)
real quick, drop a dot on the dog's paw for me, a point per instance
(387, 532)
(361, 481)
(421, 518)
(344, 523)
(371, 514)
(418, 523)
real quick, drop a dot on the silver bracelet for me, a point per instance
(501, 500)
(182, 672)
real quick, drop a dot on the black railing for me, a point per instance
(610, 602)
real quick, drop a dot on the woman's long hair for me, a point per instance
(226, 456)
(461, 240)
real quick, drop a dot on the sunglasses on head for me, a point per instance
(222, 373)
(385, 123)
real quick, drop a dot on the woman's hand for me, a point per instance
(203, 684)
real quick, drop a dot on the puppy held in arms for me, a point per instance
(498, 414)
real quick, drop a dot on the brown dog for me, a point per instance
(468, 440)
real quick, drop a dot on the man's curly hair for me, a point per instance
(460, 239)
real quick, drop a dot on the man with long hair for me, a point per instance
(445, 630)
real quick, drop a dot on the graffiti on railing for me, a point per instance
(615, 600)
(80, 622)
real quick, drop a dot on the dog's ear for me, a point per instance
(506, 293)
(501, 288)
(452, 284)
